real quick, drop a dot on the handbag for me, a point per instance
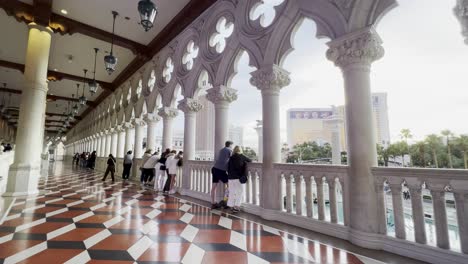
(243, 179)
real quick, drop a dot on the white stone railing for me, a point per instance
(314, 191)
(422, 201)
(252, 187)
(200, 176)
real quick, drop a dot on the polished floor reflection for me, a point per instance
(80, 219)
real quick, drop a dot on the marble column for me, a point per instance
(259, 130)
(24, 173)
(168, 114)
(139, 135)
(190, 107)
(151, 120)
(108, 143)
(354, 53)
(114, 139)
(121, 142)
(98, 144)
(221, 96)
(270, 80)
(128, 136)
(103, 144)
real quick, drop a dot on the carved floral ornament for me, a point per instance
(361, 48)
(221, 94)
(189, 105)
(167, 112)
(270, 78)
(152, 118)
(138, 122)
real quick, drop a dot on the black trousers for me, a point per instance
(126, 171)
(147, 175)
(167, 185)
(110, 169)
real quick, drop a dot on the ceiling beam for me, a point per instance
(50, 97)
(55, 75)
(26, 13)
(48, 114)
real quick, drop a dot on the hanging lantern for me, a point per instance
(93, 85)
(148, 13)
(110, 61)
(82, 99)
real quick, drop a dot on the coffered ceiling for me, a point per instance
(89, 23)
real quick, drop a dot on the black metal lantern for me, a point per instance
(148, 13)
(82, 98)
(93, 85)
(110, 61)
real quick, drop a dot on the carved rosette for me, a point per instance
(189, 105)
(151, 118)
(120, 129)
(461, 12)
(270, 79)
(127, 125)
(168, 112)
(362, 47)
(221, 94)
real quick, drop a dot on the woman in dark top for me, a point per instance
(92, 160)
(237, 175)
(110, 167)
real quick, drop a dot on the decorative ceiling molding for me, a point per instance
(50, 97)
(26, 13)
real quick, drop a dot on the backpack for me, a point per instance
(180, 163)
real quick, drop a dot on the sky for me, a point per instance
(424, 73)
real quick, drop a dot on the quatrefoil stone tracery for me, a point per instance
(224, 30)
(168, 69)
(151, 81)
(191, 53)
(265, 11)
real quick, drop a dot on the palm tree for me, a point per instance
(434, 142)
(462, 142)
(447, 133)
(405, 134)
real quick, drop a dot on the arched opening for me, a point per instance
(204, 145)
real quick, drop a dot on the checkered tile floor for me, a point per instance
(80, 219)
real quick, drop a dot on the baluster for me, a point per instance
(254, 189)
(381, 208)
(320, 200)
(203, 180)
(418, 213)
(289, 206)
(309, 199)
(345, 200)
(440, 216)
(461, 198)
(298, 180)
(397, 201)
(192, 172)
(199, 174)
(208, 181)
(332, 197)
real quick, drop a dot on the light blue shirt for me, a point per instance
(223, 159)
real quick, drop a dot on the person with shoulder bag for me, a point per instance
(237, 175)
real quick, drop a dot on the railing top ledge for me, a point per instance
(455, 174)
(312, 168)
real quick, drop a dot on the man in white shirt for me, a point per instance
(149, 168)
(127, 165)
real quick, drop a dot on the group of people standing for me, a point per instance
(230, 168)
(85, 159)
(162, 168)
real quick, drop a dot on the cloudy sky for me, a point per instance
(424, 72)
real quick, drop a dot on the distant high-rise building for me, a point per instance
(308, 124)
(236, 135)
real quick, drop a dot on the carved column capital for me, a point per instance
(138, 122)
(189, 105)
(168, 112)
(127, 125)
(270, 79)
(151, 118)
(221, 94)
(360, 47)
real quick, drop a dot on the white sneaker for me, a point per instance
(172, 192)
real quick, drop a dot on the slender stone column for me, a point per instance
(270, 80)
(98, 144)
(398, 213)
(151, 120)
(103, 144)
(221, 96)
(259, 129)
(354, 54)
(24, 173)
(168, 114)
(139, 133)
(440, 216)
(114, 136)
(190, 107)
(128, 136)
(461, 201)
(121, 142)
(108, 143)
(95, 143)
(418, 213)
